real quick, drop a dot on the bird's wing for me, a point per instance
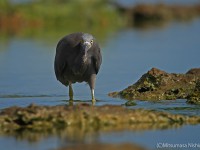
(66, 51)
(97, 59)
(60, 62)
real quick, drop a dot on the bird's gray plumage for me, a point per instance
(78, 58)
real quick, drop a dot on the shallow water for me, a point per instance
(27, 76)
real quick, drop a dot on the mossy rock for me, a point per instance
(160, 85)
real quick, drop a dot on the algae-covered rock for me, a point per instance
(194, 97)
(45, 118)
(160, 85)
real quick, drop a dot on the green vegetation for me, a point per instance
(57, 17)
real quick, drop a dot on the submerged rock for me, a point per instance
(160, 85)
(103, 146)
(46, 118)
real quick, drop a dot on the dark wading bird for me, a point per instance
(78, 58)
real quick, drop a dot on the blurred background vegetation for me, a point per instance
(44, 18)
(55, 18)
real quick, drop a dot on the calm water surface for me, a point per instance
(27, 76)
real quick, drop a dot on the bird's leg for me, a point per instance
(70, 92)
(92, 86)
(92, 93)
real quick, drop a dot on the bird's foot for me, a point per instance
(71, 99)
(71, 102)
(93, 101)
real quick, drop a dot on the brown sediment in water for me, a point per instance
(101, 146)
(160, 85)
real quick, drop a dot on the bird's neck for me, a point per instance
(80, 64)
(82, 56)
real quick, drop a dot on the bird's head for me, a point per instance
(86, 42)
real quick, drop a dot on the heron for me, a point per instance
(78, 59)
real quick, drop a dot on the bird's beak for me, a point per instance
(86, 46)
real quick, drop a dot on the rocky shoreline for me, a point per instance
(160, 85)
(88, 117)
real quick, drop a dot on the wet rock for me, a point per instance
(130, 103)
(160, 85)
(41, 118)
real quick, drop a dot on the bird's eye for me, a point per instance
(91, 42)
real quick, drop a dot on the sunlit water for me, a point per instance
(27, 76)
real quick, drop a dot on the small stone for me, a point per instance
(130, 103)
